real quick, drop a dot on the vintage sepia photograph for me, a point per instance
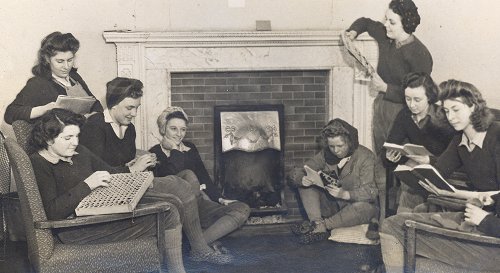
(231, 136)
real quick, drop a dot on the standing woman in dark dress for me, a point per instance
(54, 75)
(400, 53)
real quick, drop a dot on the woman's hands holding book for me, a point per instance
(393, 155)
(338, 192)
(98, 179)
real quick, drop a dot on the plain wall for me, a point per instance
(459, 33)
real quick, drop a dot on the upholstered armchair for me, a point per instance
(4, 190)
(421, 264)
(22, 131)
(47, 254)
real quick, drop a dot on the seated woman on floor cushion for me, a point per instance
(477, 150)
(423, 123)
(351, 203)
(218, 216)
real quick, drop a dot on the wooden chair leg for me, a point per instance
(410, 249)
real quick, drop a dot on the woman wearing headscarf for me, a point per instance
(353, 200)
(54, 75)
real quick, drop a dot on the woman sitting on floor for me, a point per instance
(351, 203)
(111, 136)
(66, 173)
(477, 150)
(423, 123)
(218, 216)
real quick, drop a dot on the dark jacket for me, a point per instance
(39, 91)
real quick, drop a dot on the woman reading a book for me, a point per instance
(400, 53)
(352, 201)
(219, 216)
(423, 123)
(67, 172)
(111, 136)
(477, 151)
(54, 75)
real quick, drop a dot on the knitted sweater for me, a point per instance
(482, 165)
(98, 136)
(39, 91)
(393, 62)
(62, 185)
(189, 160)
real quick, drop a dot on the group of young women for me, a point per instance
(66, 172)
(452, 121)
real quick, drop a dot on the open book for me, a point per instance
(354, 51)
(319, 178)
(411, 176)
(407, 149)
(79, 105)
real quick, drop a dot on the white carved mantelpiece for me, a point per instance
(153, 56)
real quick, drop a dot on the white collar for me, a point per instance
(470, 144)
(117, 128)
(182, 148)
(54, 159)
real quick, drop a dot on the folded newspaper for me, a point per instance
(79, 105)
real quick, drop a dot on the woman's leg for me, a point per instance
(173, 242)
(219, 220)
(352, 214)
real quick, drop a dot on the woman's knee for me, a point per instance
(239, 211)
(175, 185)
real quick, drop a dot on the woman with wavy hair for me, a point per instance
(54, 75)
(476, 149)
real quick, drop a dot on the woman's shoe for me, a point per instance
(301, 228)
(372, 232)
(313, 237)
(217, 246)
(213, 257)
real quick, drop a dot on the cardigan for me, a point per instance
(189, 160)
(39, 91)
(62, 185)
(482, 165)
(435, 135)
(393, 62)
(98, 136)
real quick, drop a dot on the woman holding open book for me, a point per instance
(477, 151)
(66, 173)
(423, 123)
(351, 199)
(54, 75)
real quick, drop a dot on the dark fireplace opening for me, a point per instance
(249, 155)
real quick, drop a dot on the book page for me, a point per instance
(79, 105)
(434, 177)
(395, 147)
(312, 178)
(414, 149)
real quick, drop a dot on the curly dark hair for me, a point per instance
(481, 118)
(408, 12)
(336, 129)
(50, 46)
(417, 79)
(50, 125)
(120, 88)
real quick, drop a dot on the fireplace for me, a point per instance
(165, 60)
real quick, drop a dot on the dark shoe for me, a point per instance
(313, 237)
(372, 232)
(302, 228)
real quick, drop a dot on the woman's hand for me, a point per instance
(393, 155)
(435, 190)
(377, 84)
(485, 197)
(168, 144)
(39, 111)
(473, 214)
(338, 192)
(142, 162)
(98, 179)
(420, 159)
(351, 34)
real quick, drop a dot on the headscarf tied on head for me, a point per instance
(338, 127)
(162, 118)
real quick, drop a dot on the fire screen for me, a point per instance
(249, 154)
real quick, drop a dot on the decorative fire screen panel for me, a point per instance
(249, 156)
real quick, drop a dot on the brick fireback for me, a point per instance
(303, 93)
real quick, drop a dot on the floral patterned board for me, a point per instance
(250, 131)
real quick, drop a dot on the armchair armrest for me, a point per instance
(140, 210)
